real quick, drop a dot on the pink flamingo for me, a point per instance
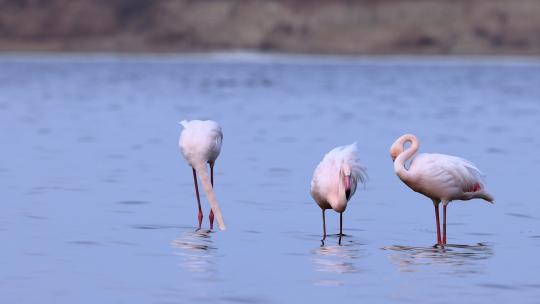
(200, 143)
(334, 181)
(443, 178)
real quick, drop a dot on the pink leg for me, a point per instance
(436, 204)
(444, 224)
(340, 227)
(212, 174)
(211, 216)
(323, 227)
(198, 198)
(341, 224)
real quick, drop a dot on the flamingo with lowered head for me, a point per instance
(200, 143)
(334, 182)
(443, 178)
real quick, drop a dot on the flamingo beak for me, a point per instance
(347, 184)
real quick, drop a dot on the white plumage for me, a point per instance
(447, 178)
(443, 178)
(200, 143)
(335, 180)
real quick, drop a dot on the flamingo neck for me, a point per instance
(200, 168)
(406, 154)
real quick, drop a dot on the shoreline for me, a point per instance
(280, 58)
(363, 27)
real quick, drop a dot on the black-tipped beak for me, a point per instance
(347, 186)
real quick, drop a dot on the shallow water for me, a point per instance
(99, 206)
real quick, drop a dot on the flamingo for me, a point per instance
(442, 178)
(334, 182)
(200, 143)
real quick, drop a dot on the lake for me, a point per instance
(99, 207)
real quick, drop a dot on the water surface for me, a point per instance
(99, 207)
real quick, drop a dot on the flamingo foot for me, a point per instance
(211, 218)
(200, 217)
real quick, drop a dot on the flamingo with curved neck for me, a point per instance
(334, 182)
(442, 178)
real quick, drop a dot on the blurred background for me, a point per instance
(317, 26)
(98, 205)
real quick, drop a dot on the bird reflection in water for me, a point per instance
(463, 259)
(197, 251)
(337, 259)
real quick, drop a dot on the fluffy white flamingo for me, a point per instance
(443, 178)
(334, 182)
(200, 143)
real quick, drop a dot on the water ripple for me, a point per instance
(338, 258)
(197, 251)
(463, 259)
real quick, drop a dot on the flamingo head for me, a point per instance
(346, 179)
(398, 146)
(395, 150)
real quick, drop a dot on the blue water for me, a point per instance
(98, 205)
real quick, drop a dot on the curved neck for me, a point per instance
(406, 154)
(200, 168)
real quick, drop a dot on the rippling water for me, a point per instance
(99, 207)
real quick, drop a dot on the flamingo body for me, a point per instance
(200, 143)
(327, 187)
(446, 178)
(335, 179)
(443, 178)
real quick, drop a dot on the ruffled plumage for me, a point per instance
(325, 185)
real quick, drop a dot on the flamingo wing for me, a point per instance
(200, 141)
(449, 176)
(215, 143)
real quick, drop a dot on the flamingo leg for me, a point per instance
(200, 217)
(340, 227)
(323, 227)
(211, 216)
(212, 174)
(444, 224)
(436, 204)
